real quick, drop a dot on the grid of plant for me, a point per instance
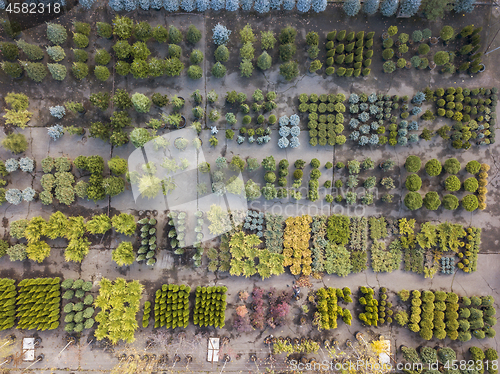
(251, 130)
(8, 301)
(268, 308)
(385, 112)
(452, 184)
(326, 118)
(446, 355)
(247, 38)
(177, 231)
(351, 52)
(172, 306)
(78, 310)
(132, 58)
(149, 244)
(465, 58)
(328, 308)
(210, 306)
(61, 185)
(75, 230)
(443, 315)
(13, 195)
(38, 304)
(472, 110)
(119, 302)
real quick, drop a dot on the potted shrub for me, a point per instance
(181, 143)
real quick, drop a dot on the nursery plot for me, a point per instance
(38, 303)
(210, 306)
(350, 52)
(172, 306)
(8, 306)
(453, 51)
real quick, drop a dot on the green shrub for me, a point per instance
(441, 58)
(446, 33)
(143, 31)
(16, 143)
(471, 185)
(221, 53)
(218, 70)
(470, 202)
(452, 166)
(56, 33)
(289, 70)
(413, 200)
(122, 49)
(193, 35)
(80, 40)
(32, 51)
(196, 57)
(433, 167)
(9, 50)
(195, 72)
(13, 69)
(388, 54)
(80, 70)
(56, 53)
(431, 200)
(104, 30)
(102, 57)
(101, 73)
(36, 71)
(413, 164)
(174, 34)
(160, 34)
(264, 61)
(473, 167)
(413, 182)
(123, 27)
(141, 102)
(452, 183)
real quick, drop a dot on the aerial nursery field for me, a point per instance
(278, 174)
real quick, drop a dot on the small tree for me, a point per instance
(319, 5)
(101, 73)
(218, 70)
(195, 72)
(441, 58)
(389, 7)
(12, 69)
(35, 70)
(56, 33)
(303, 6)
(16, 143)
(264, 61)
(464, 6)
(370, 7)
(413, 200)
(80, 70)
(432, 201)
(123, 254)
(352, 7)
(33, 51)
(315, 66)
(447, 33)
(289, 70)
(410, 7)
